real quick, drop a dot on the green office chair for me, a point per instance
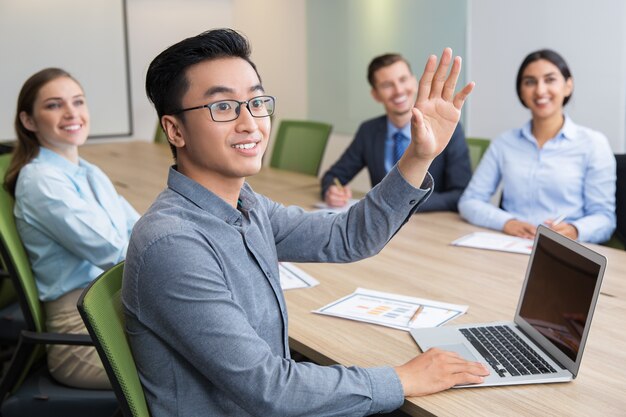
(27, 389)
(11, 317)
(11, 320)
(101, 309)
(299, 146)
(477, 148)
(159, 134)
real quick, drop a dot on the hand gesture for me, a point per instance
(437, 109)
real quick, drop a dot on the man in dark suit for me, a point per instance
(381, 141)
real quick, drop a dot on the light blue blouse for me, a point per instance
(572, 175)
(72, 222)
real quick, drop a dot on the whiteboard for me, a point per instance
(86, 38)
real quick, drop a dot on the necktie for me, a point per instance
(400, 144)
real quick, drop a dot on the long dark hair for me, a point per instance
(27, 147)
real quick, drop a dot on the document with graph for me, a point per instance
(392, 310)
(495, 241)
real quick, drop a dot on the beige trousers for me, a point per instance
(76, 366)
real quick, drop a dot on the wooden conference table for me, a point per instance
(418, 262)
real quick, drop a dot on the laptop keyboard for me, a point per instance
(506, 352)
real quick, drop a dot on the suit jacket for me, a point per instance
(451, 170)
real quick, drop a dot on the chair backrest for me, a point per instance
(100, 307)
(7, 292)
(17, 266)
(299, 146)
(159, 134)
(477, 148)
(16, 260)
(620, 200)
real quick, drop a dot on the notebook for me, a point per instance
(546, 339)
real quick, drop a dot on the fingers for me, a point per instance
(460, 97)
(439, 78)
(337, 198)
(423, 91)
(436, 370)
(437, 83)
(520, 229)
(566, 229)
(450, 83)
(418, 120)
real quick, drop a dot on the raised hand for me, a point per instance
(437, 109)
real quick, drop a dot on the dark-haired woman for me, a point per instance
(552, 171)
(71, 220)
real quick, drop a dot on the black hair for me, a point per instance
(550, 56)
(382, 61)
(166, 81)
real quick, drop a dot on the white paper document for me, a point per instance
(293, 277)
(392, 310)
(320, 205)
(495, 241)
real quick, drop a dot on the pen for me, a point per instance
(338, 184)
(558, 220)
(417, 313)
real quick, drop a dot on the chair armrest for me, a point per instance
(56, 338)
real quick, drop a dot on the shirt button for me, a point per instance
(412, 202)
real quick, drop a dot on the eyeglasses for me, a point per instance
(228, 110)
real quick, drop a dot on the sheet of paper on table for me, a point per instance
(320, 205)
(392, 310)
(292, 277)
(495, 241)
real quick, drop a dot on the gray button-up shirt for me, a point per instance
(206, 317)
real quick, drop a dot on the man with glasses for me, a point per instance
(205, 314)
(380, 142)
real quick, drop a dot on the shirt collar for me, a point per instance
(568, 131)
(207, 200)
(50, 157)
(569, 128)
(392, 129)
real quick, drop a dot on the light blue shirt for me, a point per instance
(389, 142)
(572, 175)
(72, 222)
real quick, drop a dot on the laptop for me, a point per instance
(546, 340)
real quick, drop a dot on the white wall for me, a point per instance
(278, 46)
(84, 38)
(279, 50)
(591, 36)
(276, 30)
(496, 45)
(153, 25)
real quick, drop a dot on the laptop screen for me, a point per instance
(560, 292)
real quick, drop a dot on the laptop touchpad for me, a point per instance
(461, 350)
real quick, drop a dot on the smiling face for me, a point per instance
(395, 87)
(214, 153)
(60, 117)
(543, 89)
